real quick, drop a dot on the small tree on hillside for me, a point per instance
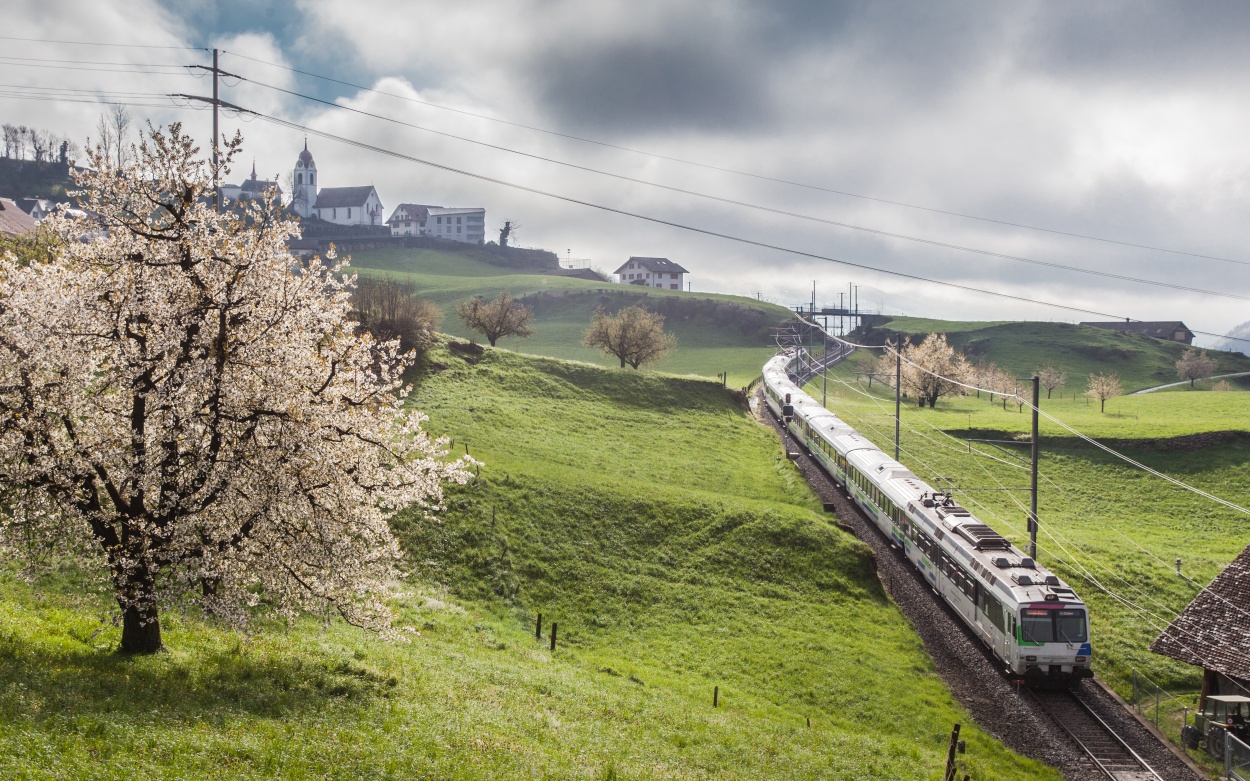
(497, 318)
(1051, 378)
(185, 405)
(932, 369)
(633, 335)
(391, 310)
(1194, 366)
(1103, 387)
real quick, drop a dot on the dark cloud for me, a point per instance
(653, 86)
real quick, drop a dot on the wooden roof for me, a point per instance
(1214, 631)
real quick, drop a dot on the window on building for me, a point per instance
(673, 287)
(299, 178)
(334, 213)
(440, 220)
(459, 221)
(312, 178)
(349, 213)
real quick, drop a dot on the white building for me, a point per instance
(339, 205)
(251, 188)
(349, 205)
(652, 272)
(466, 225)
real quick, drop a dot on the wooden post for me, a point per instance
(538, 628)
(715, 696)
(950, 755)
(553, 635)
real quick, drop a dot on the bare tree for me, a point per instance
(1223, 386)
(22, 141)
(495, 319)
(634, 335)
(1103, 387)
(1194, 366)
(12, 141)
(114, 129)
(1051, 378)
(391, 310)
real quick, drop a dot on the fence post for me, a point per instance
(1157, 706)
(1228, 755)
(1135, 700)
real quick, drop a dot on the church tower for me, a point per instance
(304, 196)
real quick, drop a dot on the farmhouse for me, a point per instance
(1168, 330)
(1214, 633)
(463, 224)
(652, 272)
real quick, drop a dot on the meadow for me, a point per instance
(649, 516)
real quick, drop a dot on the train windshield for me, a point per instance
(1053, 626)
(1037, 626)
(1070, 626)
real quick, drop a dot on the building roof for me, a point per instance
(343, 196)
(654, 264)
(1214, 631)
(14, 221)
(1162, 329)
(415, 211)
(576, 273)
(305, 157)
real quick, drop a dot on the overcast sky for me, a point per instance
(1120, 120)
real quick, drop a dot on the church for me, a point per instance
(337, 205)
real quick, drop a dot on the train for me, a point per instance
(1030, 620)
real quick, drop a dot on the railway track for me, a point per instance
(1105, 748)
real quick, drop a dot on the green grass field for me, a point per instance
(650, 516)
(704, 348)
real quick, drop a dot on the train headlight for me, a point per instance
(1030, 658)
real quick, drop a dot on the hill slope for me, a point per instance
(650, 517)
(1140, 362)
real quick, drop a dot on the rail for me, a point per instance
(1103, 745)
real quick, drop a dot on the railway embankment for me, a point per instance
(969, 672)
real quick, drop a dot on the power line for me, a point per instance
(736, 172)
(758, 207)
(96, 43)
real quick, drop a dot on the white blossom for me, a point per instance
(195, 406)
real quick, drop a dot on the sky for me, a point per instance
(992, 128)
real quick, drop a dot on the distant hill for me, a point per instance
(1140, 361)
(30, 179)
(715, 333)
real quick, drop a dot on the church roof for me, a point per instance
(305, 157)
(344, 196)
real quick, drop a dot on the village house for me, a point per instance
(463, 224)
(652, 272)
(253, 187)
(14, 221)
(1168, 330)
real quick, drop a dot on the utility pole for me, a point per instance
(216, 103)
(898, 392)
(1033, 492)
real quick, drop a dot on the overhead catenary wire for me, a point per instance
(98, 43)
(755, 206)
(736, 172)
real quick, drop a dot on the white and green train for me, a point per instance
(1027, 617)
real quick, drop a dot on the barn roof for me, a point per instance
(654, 264)
(1161, 329)
(1214, 631)
(14, 221)
(330, 197)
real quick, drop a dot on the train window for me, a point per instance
(1037, 626)
(995, 613)
(1070, 626)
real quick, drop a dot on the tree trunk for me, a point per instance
(141, 630)
(1103, 407)
(622, 362)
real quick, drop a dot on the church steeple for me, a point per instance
(304, 198)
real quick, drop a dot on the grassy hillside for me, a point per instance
(651, 517)
(1140, 361)
(706, 345)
